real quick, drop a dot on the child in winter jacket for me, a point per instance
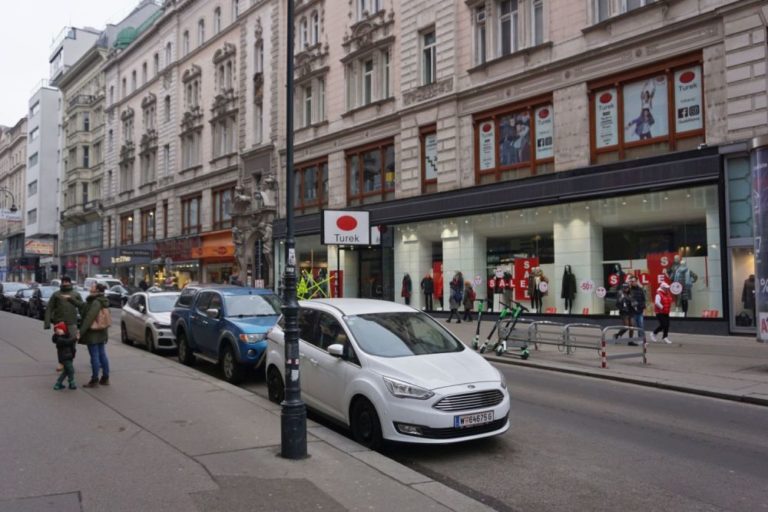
(662, 304)
(65, 349)
(469, 301)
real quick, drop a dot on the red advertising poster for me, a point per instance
(657, 263)
(336, 288)
(437, 278)
(523, 267)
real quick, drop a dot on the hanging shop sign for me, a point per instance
(341, 227)
(487, 145)
(38, 246)
(606, 118)
(545, 132)
(688, 111)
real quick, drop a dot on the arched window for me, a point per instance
(168, 54)
(217, 20)
(167, 109)
(185, 42)
(315, 27)
(303, 34)
(156, 63)
(200, 32)
(258, 56)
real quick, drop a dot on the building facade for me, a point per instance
(13, 162)
(545, 150)
(180, 112)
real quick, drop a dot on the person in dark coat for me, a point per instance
(469, 301)
(457, 295)
(428, 289)
(96, 340)
(626, 312)
(63, 307)
(407, 288)
(568, 291)
(65, 351)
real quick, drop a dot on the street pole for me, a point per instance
(293, 419)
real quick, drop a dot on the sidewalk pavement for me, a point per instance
(727, 367)
(164, 436)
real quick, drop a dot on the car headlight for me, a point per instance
(158, 325)
(252, 338)
(503, 379)
(402, 389)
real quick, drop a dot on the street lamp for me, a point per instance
(13, 208)
(293, 419)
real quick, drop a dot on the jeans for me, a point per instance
(640, 324)
(99, 360)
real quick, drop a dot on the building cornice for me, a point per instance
(82, 65)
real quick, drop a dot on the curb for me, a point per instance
(638, 381)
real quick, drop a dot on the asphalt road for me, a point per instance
(578, 443)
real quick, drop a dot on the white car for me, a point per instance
(146, 318)
(390, 372)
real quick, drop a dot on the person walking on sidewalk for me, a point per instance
(662, 304)
(62, 307)
(469, 301)
(95, 333)
(638, 304)
(65, 350)
(456, 284)
(626, 311)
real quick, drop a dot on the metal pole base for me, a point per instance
(293, 430)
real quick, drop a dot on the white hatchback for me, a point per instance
(146, 318)
(389, 371)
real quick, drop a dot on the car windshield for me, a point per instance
(13, 287)
(401, 334)
(162, 303)
(47, 291)
(29, 292)
(252, 305)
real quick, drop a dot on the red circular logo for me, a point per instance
(606, 97)
(346, 223)
(544, 113)
(487, 127)
(687, 76)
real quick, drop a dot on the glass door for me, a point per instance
(742, 269)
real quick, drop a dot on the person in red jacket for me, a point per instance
(662, 304)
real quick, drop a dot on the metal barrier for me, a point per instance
(604, 357)
(544, 338)
(569, 337)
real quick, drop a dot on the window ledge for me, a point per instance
(148, 184)
(606, 23)
(523, 52)
(312, 126)
(125, 193)
(192, 168)
(377, 103)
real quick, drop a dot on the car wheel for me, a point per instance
(184, 353)
(366, 427)
(275, 386)
(149, 341)
(124, 335)
(234, 372)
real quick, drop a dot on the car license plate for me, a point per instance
(470, 420)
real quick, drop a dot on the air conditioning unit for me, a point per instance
(480, 16)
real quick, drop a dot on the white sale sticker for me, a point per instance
(543, 287)
(676, 288)
(586, 286)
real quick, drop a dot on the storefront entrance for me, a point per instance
(376, 271)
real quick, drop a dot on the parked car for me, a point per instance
(20, 301)
(8, 292)
(146, 318)
(39, 301)
(118, 295)
(225, 325)
(105, 279)
(390, 372)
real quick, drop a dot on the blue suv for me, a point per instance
(224, 325)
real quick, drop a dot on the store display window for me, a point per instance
(574, 257)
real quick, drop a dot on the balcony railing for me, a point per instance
(82, 100)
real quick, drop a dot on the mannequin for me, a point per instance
(407, 288)
(680, 273)
(568, 288)
(427, 288)
(748, 296)
(534, 280)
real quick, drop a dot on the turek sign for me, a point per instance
(346, 228)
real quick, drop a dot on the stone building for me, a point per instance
(185, 99)
(13, 163)
(520, 141)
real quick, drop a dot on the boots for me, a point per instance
(104, 381)
(93, 383)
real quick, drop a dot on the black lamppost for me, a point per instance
(293, 419)
(13, 208)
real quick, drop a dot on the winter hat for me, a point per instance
(664, 286)
(62, 326)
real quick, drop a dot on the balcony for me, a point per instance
(82, 100)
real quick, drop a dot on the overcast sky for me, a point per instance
(28, 30)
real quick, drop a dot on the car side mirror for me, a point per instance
(336, 350)
(212, 313)
(141, 308)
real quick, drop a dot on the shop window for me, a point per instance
(222, 208)
(311, 192)
(147, 225)
(126, 229)
(371, 173)
(739, 198)
(190, 215)
(429, 156)
(515, 142)
(648, 111)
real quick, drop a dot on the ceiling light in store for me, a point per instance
(586, 207)
(698, 247)
(536, 212)
(466, 221)
(624, 202)
(688, 193)
(666, 197)
(645, 199)
(521, 214)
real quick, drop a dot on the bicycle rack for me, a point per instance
(570, 338)
(604, 357)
